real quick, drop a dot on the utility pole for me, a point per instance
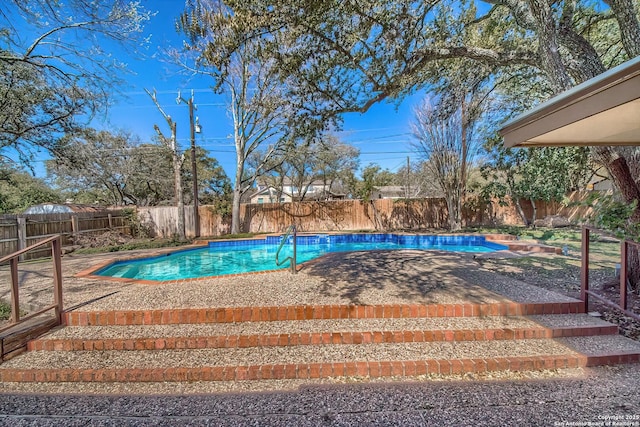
(193, 128)
(177, 160)
(408, 178)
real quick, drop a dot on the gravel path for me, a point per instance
(601, 394)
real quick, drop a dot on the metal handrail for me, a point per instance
(585, 292)
(290, 230)
(13, 259)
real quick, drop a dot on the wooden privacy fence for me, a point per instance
(20, 231)
(382, 214)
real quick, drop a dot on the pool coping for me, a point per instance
(89, 273)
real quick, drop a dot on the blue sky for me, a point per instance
(382, 134)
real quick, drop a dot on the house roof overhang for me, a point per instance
(604, 111)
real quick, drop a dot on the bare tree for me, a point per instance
(177, 161)
(258, 106)
(445, 143)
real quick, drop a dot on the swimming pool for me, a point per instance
(247, 256)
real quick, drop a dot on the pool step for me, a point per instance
(314, 332)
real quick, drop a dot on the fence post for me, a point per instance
(22, 235)
(110, 221)
(74, 225)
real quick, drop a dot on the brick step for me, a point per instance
(308, 332)
(370, 360)
(309, 312)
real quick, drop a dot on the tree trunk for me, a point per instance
(624, 11)
(235, 211)
(631, 193)
(620, 173)
(534, 212)
(237, 194)
(177, 180)
(453, 206)
(548, 46)
(520, 211)
(377, 224)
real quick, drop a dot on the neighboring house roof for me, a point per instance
(267, 192)
(399, 192)
(286, 182)
(602, 111)
(389, 192)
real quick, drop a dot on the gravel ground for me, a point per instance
(200, 387)
(600, 344)
(288, 327)
(328, 325)
(567, 320)
(601, 394)
(285, 355)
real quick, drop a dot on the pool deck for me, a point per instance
(363, 278)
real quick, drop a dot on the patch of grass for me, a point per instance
(5, 310)
(603, 253)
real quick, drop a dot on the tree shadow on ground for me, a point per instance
(409, 276)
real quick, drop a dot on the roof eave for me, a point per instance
(612, 89)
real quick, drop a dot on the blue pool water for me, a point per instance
(245, 256)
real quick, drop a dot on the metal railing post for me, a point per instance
(294, 270)
(56, 251)
(291, 230)
(624, 248)
(584, 270)
(15, 298)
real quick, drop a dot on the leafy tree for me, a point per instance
(19, 190)
(116, 169)
(534, 174)
(336, 163)
(214, 186)
(342, 56)
(418, 180)
(325, 159)
(54, 68)
(99, 161)
(373, 176)
(346, 56)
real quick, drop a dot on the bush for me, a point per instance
(5, 310)
(614, 215)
